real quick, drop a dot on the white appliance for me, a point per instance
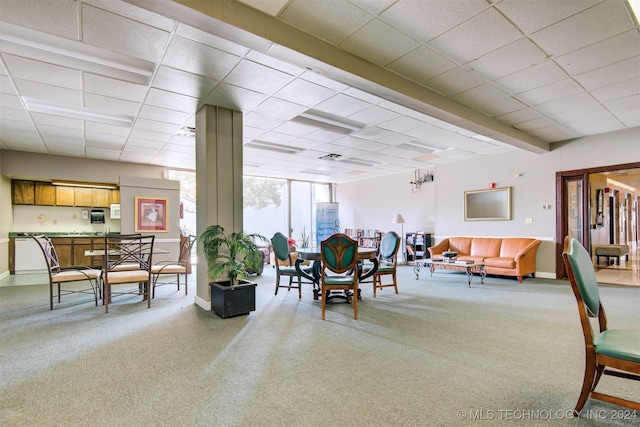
(114, 211)
(29, 258)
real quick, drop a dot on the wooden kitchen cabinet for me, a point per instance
(45, 194)
(24, 192)
(101, 197)
(63, 249)
(79, 246)
(65, 196)
(84, 196)
(115, 196)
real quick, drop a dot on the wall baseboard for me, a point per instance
(202, 303)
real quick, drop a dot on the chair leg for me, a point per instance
(277, 282)
(324, 301)
(299, 287)
(395, 282)
(587, 384)
(355, 303)
(50, 296)
(186, 287)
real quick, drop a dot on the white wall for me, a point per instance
(438, 207)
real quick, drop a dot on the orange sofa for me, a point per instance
(509, 256)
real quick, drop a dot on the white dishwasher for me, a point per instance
(29, 258)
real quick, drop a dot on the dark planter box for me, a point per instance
(229, 301)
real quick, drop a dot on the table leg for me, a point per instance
(469, 276)
(416, 270)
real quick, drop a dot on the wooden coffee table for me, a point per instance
(475, 267)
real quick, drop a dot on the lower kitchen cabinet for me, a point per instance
(80, 245)
(63, 248)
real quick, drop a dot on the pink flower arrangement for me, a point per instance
(291, 241)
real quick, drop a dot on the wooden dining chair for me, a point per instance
(66, 275)
(613, 352)
(284, 264)
(127, 250)
(339, 258)
(387, 262)
(177, 268)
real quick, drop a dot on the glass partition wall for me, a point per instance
(270, 205)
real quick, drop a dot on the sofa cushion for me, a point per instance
(512, 245)
(461, 245)
(486, 247)
(500, 262)
(476, 259)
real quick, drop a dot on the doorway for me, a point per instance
(593, 217)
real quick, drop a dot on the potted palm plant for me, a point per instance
(230, 257)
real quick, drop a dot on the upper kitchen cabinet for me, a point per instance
(65, 196)
(101, 197)
(45, 194)
(84, 196)
(24, 192)
(115, 196)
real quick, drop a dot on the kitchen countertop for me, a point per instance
(58, 234)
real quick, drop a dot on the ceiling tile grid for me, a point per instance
(554, 69)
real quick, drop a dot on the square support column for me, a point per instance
(218, 180)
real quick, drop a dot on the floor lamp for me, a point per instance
(398, 219)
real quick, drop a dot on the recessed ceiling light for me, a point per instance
(47, 107)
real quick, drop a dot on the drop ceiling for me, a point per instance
(331, 91)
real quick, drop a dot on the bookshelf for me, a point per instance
(365, 238)
(416, 244)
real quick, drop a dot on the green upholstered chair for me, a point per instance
(59, 276)
(282, 253)
(339, 256)
(387, 262)
(608, 351)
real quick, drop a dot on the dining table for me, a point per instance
(315, 256)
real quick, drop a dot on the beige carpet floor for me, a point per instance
(437, 354)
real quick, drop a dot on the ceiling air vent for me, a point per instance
(331, 156)
(187, 131)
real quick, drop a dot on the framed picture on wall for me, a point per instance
(150, 214)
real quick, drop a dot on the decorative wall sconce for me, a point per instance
(420, 178)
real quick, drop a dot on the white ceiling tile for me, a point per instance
(163, 114)
(573, 102)
(531, 16)
(324, 81)
(411, 16)
(152, 136)
(170, 100)
(210, 40)
(235, 98)
(291, 128)
(516, 56)
(617, 90)
(324, 20)
(550, 92)
(13, 114)
(519, 116)
(378, 43)
(342, 105)
(5, 85)
(605, 76)
(600, 22)
(50, 131)
(59, 18)
(421, 64)
(374, 115)
(261, 121)
(270, 7)
(322, 135)
(276, 64)
(478, 36)
(304, 92)
(114, 88)
(177, 81)
(480, 95)
(606, 52)
(56, 94)
(28, 69)
(280, 109)
(257, 77)
(536, 76)
(94, 127)
(117, 33)
(108, 104)
(134, 12)
(200, 59)
(400, 124)
(372, 133)
(156, 126)
(454, 81)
